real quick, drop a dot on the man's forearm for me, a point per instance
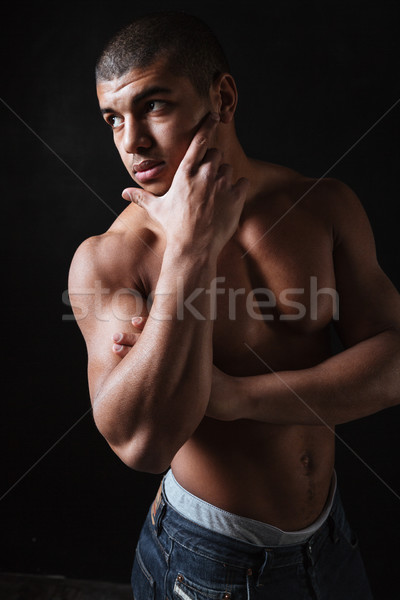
(355, 383)
(156, 397)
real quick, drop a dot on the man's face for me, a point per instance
(154, 115)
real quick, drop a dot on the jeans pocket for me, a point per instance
(142, 581)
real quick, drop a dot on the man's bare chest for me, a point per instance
(275, 292)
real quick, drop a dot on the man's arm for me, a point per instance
(147, 404)
(357, 382)
(150, 402)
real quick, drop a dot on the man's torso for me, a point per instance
(281, 255)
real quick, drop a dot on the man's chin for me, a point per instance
(157, 188)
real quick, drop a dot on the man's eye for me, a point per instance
(114, 121)
(155, 105)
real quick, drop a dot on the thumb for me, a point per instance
(138, 196)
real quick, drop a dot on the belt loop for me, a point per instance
(261, 570)
(160, 515)
(158, 509)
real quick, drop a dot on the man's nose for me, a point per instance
(136, 136)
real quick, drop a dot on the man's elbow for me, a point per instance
(143, 446)
(145, 453)
(148, 461)
(394, 378)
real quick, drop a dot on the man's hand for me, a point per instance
(201, 210)
(226, 400)
(123, 342)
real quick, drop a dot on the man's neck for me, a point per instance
(234, 155)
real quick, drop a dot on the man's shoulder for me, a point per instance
(325, 195)
(111, 256)
(292, 200)
(285, 182)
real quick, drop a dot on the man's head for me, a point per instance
(156, 81)
(186, 44)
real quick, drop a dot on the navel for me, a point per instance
(306, 462)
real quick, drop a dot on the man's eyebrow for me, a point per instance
(155, 89)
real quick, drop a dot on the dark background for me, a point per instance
(313, 77)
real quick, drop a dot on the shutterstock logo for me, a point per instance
(261, 304)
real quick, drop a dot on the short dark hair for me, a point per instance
(188, 44)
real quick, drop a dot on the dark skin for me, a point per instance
(199, 395)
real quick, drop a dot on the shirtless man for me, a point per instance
(229, 381)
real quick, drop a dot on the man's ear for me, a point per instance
(224, 97)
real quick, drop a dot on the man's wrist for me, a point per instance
(243, 398)
(252, 397)
(183, 256)
(182, 286)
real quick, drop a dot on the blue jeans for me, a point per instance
(177, 559)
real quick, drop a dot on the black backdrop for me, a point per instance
(313, 78)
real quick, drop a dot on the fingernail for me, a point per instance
(135, 321)
(127, 195)
(117, 337)
(117, 347)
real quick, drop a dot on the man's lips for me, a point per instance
(145, 165)
(148, 169)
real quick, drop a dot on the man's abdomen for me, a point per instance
(276, 474)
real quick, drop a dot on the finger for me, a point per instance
(138, 196)
(241, 188)
(126, 339)
(139, 322)
(211, 161)
(225, 171)
(121, 350)
(199, 144)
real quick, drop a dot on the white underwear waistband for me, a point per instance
(241, 528)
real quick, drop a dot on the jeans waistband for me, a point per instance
(165, 520)
(235, 526)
